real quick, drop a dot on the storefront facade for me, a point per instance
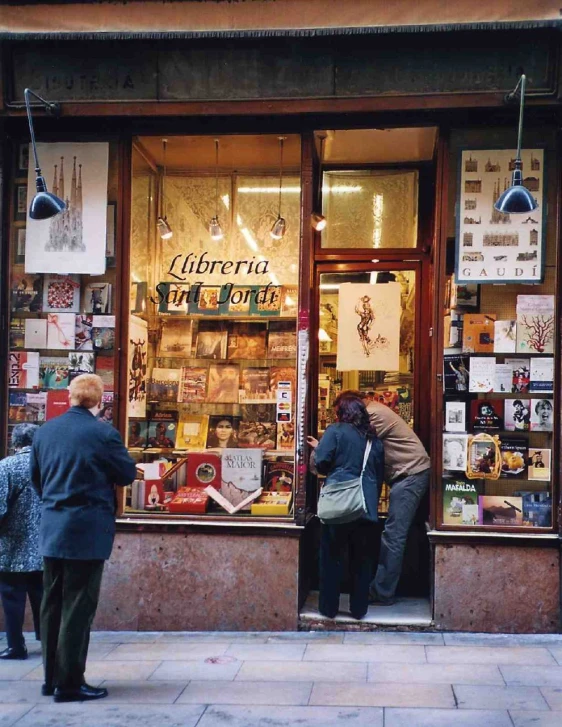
(403, 150)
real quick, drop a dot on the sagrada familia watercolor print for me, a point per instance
(73, 241)
(370, 340)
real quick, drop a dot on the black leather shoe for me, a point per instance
(14, 653)
(47, 690)
(85, 693)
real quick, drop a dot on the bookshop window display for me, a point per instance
(62, 281)
(212, 337)
(498, 454)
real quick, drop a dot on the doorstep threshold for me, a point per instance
(406, 613)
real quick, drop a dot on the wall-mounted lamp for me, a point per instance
(44, 204)
(162, 224)
(317, 219)
(215, 229)
(279, 226)
(517, 199)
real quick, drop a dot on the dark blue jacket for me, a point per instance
(339, 456)
(75, 462)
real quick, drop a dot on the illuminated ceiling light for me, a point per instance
(45, 204)
(279, 226)
(317, 219)
(215, 229)
(517, 199)
(162, 224)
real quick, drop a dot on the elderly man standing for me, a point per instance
(21, 564)
(75, 463)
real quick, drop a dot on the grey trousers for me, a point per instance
(405, 497)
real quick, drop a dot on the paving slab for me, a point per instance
(536, 719)
(185, 671)
(532, 656)
(257, 637)
(267, 652)
(167, 651)
(97, 671)
(104, 714)
(10, 670)
(435, 674)
(553, 696)
(125, 637)
(311, 671)
(557, 654)
(350, 652)
(20, 692)
(383, 695)
(275, 716)
(484, 697)
(531, 676)
(10, 713)
(393, 637)
(143, 692)
(464, 639)
(446, 718)
(315, 637)
(272, 693)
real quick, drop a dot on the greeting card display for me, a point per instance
(61, 293)
(61, 331)
(505, 336)
(535, 324)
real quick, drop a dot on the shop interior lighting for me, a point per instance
(164, 229)
(317, 219)
(215, 229)
(517, 199)
(45, 204)
(279, 226)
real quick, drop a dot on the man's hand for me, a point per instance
(312, 442)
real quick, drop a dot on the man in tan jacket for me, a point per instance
(406, 472)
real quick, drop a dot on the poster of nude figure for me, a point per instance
(138, 352)
(73, 241)
(369, 330)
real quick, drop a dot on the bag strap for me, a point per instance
(366, 457)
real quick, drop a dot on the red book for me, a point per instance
(189, 500)
(153, 495)
(57, 403)
(203, 469)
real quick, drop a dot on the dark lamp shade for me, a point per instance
(278, 229)
(45, 205)
(516, 200)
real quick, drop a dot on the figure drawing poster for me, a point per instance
(138, 353)
(73, 241)
(369, 331)
(493, 247)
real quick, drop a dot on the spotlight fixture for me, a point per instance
(317, 219)
(517, 199)
(162, 224)
(279, 226)
(215, 229)
(45, 204)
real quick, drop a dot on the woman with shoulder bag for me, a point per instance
(352, 458)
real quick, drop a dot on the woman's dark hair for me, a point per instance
(22, 435)
(350, 409)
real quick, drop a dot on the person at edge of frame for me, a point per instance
(406, 472)
(75, 463)
(21, 565)
(339, 455)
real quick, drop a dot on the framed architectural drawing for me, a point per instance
(370, 340)
(493, 247)
(73, 241)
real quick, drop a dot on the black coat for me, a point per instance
(75, 462)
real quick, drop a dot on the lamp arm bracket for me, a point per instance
(51, 107)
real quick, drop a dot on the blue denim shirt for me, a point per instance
(339, 456)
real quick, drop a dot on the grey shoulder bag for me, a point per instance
(344, 502)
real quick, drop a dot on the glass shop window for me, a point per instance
(212, 343)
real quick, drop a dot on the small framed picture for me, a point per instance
(20, 202)
(19, 244)
(455, 451)
(23, 160)
(110, 234)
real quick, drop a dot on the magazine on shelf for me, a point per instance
(455, 416)
(286, 435)
(460, 501)
(26, 293)
(83, 332)
(164, 385)
(279, 476)
(478, 333)
(537, 509)
(174, 298)
(35, 333)
(61, 331)
(103, 338)
(193, 384)
(162, 429)
(542, 415)
(204, 469)
(211, 344)
(535, 323)
(505, 336)
(106, 371)
(137, 435)
(96, 298)
(192, 431)
(61, 293)
(82, 362)
(23, 370)
(486, 415)
(539, 463)
(282, 341)
(175, 340)
(54, 372)
(289, 300)
(266, 301)
(204, 300)
(224, 383)
(257, 434)
(254, 386)
(521, 368)
(241, 475)
(517, 415)
(17, 333)
(542, 375)
(247, 341)
(57, 403)
(27, 406)
(456, 369)
(223, 431)
(482, 374)
(506, 510)
(514, 457)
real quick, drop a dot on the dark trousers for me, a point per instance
(405, 497)
(14, 588)
(357, 537)
(70, 600)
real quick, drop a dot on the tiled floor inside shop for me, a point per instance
(320, 679)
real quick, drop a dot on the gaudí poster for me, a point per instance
(73, 241)
(369, 340)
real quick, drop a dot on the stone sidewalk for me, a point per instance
(320, 679)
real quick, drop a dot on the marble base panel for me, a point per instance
(497, 588)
